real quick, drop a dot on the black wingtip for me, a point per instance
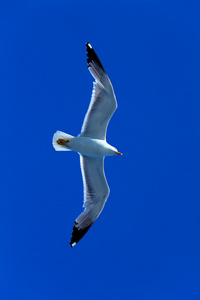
(88, 45)
(77, 234)
(92, 56)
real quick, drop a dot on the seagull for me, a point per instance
(92, 146)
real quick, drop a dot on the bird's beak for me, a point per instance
(119, 153)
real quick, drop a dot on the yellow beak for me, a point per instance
(119, 153)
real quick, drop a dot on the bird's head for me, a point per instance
(116, 152)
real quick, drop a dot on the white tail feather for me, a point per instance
(63, 136)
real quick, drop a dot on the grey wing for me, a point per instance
(103, 101)
(96, 192)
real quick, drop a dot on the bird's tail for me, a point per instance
(60, 141)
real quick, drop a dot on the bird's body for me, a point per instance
(92, 146)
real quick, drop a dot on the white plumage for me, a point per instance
(92, 146)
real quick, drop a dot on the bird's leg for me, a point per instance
(62, 142)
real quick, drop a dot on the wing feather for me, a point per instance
(103, 101)
(96, 192)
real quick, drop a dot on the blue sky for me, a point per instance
(145, 244)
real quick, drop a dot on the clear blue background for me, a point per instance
(146, 243)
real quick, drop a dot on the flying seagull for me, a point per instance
(92, 146)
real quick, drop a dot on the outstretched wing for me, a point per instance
(96, 192)
(103, 102)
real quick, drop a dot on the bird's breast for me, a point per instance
(91, 147)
